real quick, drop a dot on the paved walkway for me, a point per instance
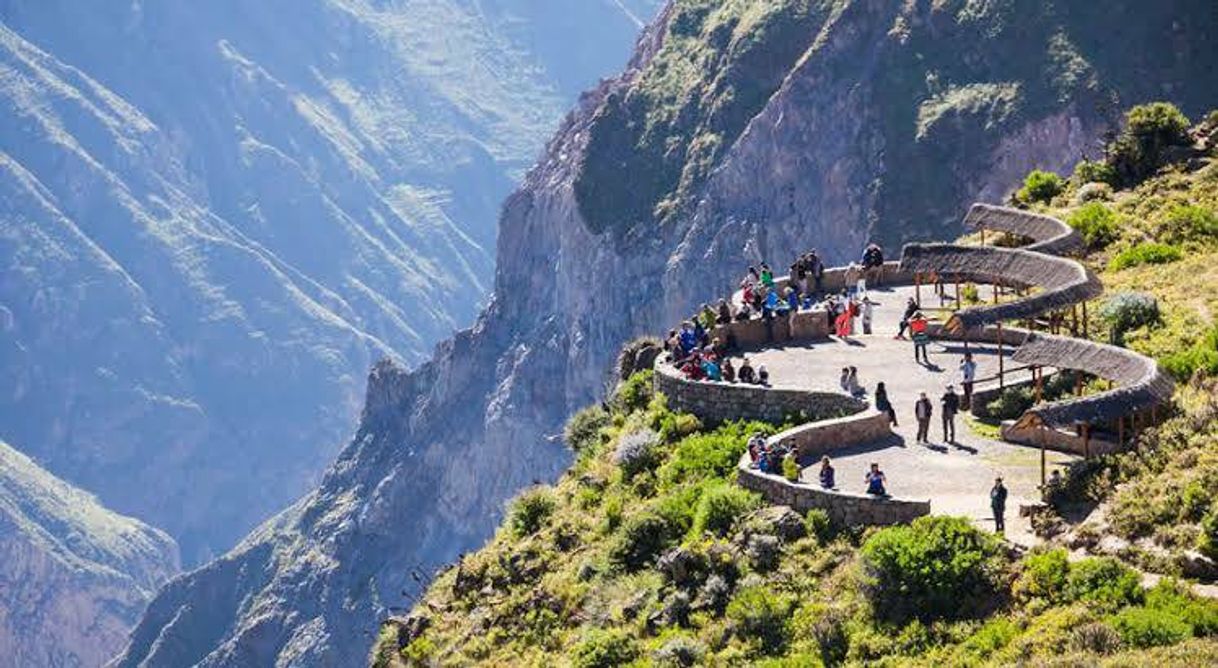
(955, 477)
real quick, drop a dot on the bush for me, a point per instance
(679, 652)
(819, 525)
(637, 452)
(1141, 148)
(530, 510)
(675, 426)
(1104, 581)
(639, 542)
(934, 568)
(1096, 223)
(1095, 638)
(583, 431)
(1093, 192)
(1140, 627)
(604, 649)
(1094, 171)
(714, 454)
(1043, 577)
(1202, 356)
(790, 468)
(635, 392)
(995, 635)
(1173, 598)
(721, 506)
(1145, 253)
(1188, 223)
(1011, 403)
(1040, 186)
(760, 614)
(1126, 311)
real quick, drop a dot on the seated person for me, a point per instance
(693, 368)
(763, 376)
(711, 369)
(744, 313)
(729, 371)
(745, 372)
(792, 300)
(806, 302)
(725, 313)
(875, 481)
(827, 479)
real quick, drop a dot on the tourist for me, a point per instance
(745, 312)
(711, 369)
(707, 317)
(725, 313)
(854, 279)
(876, 481)
(746, 293)
(998, 504)
(921, 339)
(692, 369)
(729, 371)
(827, 480)
(797, 275)
(753, 277)
(843, 381)
(882, 403)
(868, 310)
(756, 446)
(949, 405)
(792, 299)
(767, 276)
(688, 337)
(922, 412)
(806, 302)
(873, 263)
(968, 373)
(745, 372)
(815, 269)
(911, 307)
(845, 320)
(852, 383)
(672, 344)
(763, 376)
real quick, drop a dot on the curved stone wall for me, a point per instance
(843, 508)
(715, 402)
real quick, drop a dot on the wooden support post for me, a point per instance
(918, 288)
(997, 291)
(1001, 365)
(1074, 320)
(1038, 375)
(1086, 440)
(1043, 464)
(1078, 383)
(957, 293)
(983, 236)
(1121, 432)
(1085, 335)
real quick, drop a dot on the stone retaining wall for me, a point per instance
(720, 402)
(801, 326)
(843, 508)
(815, 439)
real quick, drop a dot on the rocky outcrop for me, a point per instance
(864, 136)
(74, 576)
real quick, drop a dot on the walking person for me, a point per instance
(911, 307)
(868, 309)
(998, 504)
(949, 405)
(883, 405)
(968, 373)
(921, 339)
(853, 386)
(922, 412)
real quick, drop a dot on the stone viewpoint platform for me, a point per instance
(941, 477)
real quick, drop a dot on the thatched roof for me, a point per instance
(1049, 235)
(1061, 281)
(1139, 382)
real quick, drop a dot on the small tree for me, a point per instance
(1096, 223)
(1040, 186)
(1126, 311)
(1150, 130)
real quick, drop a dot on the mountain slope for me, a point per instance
(74, 576)
(819, 161)
(216, 215)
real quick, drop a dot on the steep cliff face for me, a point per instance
(215, 216)
(836, 153)
(74, 576)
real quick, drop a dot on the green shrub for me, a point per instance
(819, 525)
(1104, 581)
(992, 637)
(635, 392)
(530, 510)
(1173, 598)
(761, 615)
(721, 506)
(969, 293)
(1043, 577)
(1201, 356)
(675, 426)
(604, 649)
(1011, 403)
(714, 454)
(1189, 222)
(679, 652)
(1140, 627)
(678, 508)
(1092, 171)
(1127, 311)
(790, 468)
(639, 541)
(1040, 186)
(583, 431)
(1145, 253)
(934, 568)
(1209, 533)
(1150, 130)
(1096, 223)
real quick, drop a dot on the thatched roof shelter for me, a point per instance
(1048, 234)
(1062, 282)
(1139, 383)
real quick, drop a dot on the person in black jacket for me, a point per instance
(949, 405)
(998, 504)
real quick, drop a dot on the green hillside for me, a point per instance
(646, 553)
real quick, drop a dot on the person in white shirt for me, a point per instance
(968, 373)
